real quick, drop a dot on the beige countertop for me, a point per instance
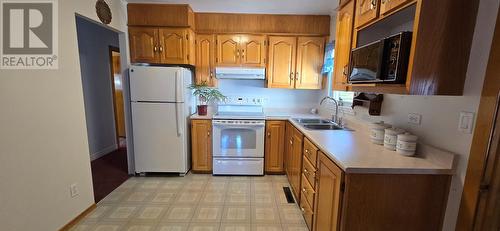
(355, 153)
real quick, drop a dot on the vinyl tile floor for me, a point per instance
(200, 202)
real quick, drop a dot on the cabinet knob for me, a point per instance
(161, 49)
(304, 190)
(291, 142)
(302, 209)
(208, 133)
(307, 151)
(291, 76)
(155, 48)
(344, 70)
(373, 5)
(268, 134)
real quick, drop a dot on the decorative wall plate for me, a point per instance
(103, 11)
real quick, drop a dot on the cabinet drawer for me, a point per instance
(307, 212)
(307, 191)
(309, 172)
(310, 151)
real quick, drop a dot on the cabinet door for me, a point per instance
(275, 146)
(288, 149)
(201, 145)
(173, 46)
(296, 163)
(228, 51)
(343, 43)
(310, 54)
(387, 6)
(253, 50)
(205, 57)
(281, 65)
(366, 11)
(328, 195)
(143, 45)
(191, 47)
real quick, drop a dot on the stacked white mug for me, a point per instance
(406, 144)
(390, 137)
(378, 132)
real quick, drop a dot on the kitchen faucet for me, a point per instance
(335, 118)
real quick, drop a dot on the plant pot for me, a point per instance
(202, 110)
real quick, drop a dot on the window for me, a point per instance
(346, 97)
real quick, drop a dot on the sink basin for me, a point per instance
(313, 121)
(323, 127)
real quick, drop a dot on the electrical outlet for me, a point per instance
(414, 118)
(73, 190)
(466, 122)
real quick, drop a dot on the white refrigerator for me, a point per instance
(161, 106)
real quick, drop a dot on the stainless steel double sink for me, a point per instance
(319, 124)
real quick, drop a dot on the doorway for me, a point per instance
(103, 94)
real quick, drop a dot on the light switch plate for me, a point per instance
(414, 118)
(466, 122)
(73, 190)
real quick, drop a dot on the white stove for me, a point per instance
(238, 138)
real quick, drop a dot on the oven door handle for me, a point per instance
(239, 125)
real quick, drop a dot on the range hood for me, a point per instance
(240, 73)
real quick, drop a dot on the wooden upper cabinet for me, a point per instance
(201, 145)
(343, 2)
(161, 45)
(328, 195)
(343, 44)
(275, 146)
(310, 54)
(173, 46)
(281, 66)
(228, 50)
(160, 15)
(143, 45)
(241, 50)
(388, 6)
(205, 59)
(253, 50)
(366, 11)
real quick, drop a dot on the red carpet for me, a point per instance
(109, 172)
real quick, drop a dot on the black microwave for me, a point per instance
(385, 60)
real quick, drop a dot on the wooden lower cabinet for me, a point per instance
(329, 195)
(295, 167)
(331, 199)
(201, 145)
(274, 147)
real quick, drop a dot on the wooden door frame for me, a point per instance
(481, 139)
(112, 49)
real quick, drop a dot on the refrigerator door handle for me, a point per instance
(178, 118)
(178, 86)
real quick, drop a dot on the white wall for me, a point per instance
(43, 139)
(279, 100)
(440, 114)
(93, 45)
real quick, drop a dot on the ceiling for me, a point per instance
(325, 7)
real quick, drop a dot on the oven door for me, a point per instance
(238, 138)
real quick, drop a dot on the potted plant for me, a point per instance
(206, 95)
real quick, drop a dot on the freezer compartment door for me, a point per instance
(158, 84)
(159, 140)
(238, 166)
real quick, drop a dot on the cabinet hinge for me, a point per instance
(216, 59)
(188, 57)
(187, 37)
(216, 42)
(342, 187)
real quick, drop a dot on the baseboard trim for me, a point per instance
(78, 218)
(103, 152)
